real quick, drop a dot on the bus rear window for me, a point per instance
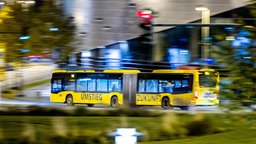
(207, 79)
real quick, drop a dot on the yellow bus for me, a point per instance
(88, 87)
(165, 88)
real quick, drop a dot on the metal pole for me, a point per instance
(205, 35)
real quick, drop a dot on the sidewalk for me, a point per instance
(27, 75)
(31, 74)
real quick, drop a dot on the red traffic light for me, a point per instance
(144, 14)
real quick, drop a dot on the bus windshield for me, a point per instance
(208, 79)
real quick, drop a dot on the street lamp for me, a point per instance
(25, 4)
(205, 31)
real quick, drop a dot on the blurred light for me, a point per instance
(113, 58)
(32, 56)
(132, 5)
(30, 2)
(98, 20)
(24, 50)
(189, 27)
(229, 28)
(24, 37)
(54, 29)
(243, 33)
(209, 61)
(145, 14)
(207, 38)
(86, 53)
(247, 57)
(230, 38)
(114, 53)
(20, 1)
(2, 3)
(184, 51)
(26, 1)
(106, 27)
(201, 8)
(125, 135)
(124, 46)
(241, 42)
(236, 43)
(178, 57)
(249, 26)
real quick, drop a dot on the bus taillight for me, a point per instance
(196, 94)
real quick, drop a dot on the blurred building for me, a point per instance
(113, 24)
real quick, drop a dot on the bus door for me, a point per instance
(56, 88)
(129, 89)
(56, 85)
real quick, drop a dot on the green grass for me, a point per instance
(10, 93)
(233, 128)
(36, 84)
(240, 136)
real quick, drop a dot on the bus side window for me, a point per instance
(69, 85)
(151, 86)
(141, 87)
(102, 85)
(81, 85)
(186, 86)
(92, 85)
(177, 84)
(115, 85)
(168, 86)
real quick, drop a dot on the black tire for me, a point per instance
(114, 101)
(90, 105)
(165, 103)
(69, 100)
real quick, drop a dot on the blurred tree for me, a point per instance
(46, 25)
(239, 58)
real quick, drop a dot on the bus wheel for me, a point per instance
(114, 101)
(165, 103)
(90, 105)
(69, 100)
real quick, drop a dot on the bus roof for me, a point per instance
(64, 71)
(173, 71)
(181, 71)
(121, 71)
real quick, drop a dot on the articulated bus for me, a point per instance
(165, 88)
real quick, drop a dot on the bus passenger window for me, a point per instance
(151, 86)
(184, 83)
(69, 86)
(177, 84)
(161, 86)
(141, 88)
(81, 85)
(115, 85)
(102, 85)
(92, 85)
(168, 86)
